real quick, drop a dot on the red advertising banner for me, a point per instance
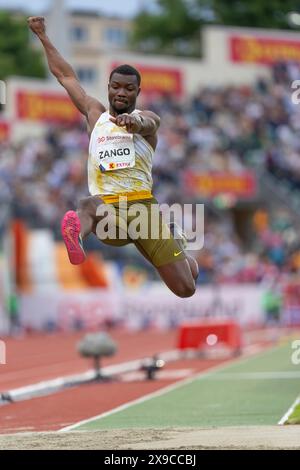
(263, 50)
(208, 185)
(46, 107)
(4, 131)
(159, 80)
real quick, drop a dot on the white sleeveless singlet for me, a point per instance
(119, 162)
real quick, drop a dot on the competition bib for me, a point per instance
(114, 150)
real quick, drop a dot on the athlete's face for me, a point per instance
(123, 91)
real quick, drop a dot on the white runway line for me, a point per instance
(278, 375)
(289, 411)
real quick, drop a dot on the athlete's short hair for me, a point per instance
(127, 70)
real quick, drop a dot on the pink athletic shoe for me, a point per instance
(70, 229)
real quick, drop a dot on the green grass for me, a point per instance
(253, 391)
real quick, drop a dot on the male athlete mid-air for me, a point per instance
(122, 143)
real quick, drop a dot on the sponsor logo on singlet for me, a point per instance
(111, 138)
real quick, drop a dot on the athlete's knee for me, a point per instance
(89, 205)
(84, 204)
(193, 266)
(185, 289)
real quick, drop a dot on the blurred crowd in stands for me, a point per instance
(219, 129)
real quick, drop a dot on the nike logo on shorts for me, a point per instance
(177, 254)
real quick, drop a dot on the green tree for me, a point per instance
(17, 56)
(174, 27)
(254, 13)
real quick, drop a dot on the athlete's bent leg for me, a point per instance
(178, 277)
(87, 213)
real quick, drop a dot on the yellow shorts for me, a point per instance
(158, 246)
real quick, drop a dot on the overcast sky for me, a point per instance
(126, 8)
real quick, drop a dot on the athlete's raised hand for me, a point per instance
(37, 24)
(132, 122)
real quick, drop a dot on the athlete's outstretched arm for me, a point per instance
(64, 72)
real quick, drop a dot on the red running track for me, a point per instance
(41, 357)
